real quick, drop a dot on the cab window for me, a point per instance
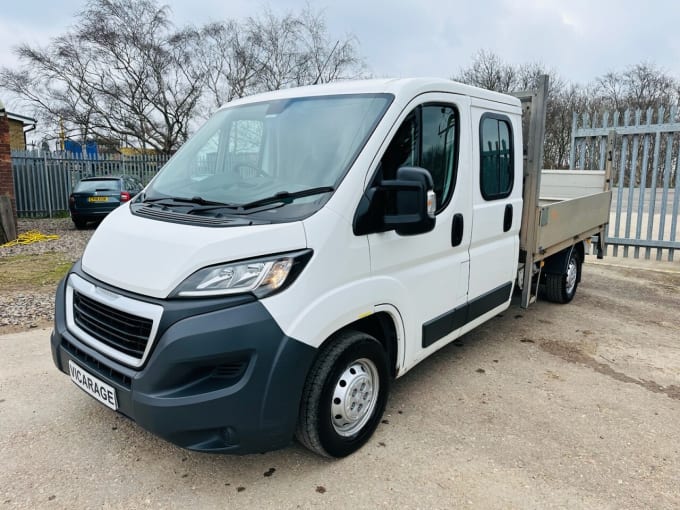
(427, 138)
(496, 157)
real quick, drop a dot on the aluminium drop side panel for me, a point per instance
(568, 220)
(559, 185)
(573, 207)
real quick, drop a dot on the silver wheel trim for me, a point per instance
(355, 397)
(572, 273)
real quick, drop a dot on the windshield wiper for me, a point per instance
(192, 200)
(203, 205)
(286, 196)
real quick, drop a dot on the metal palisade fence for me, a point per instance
(646, 162)
(43, 180)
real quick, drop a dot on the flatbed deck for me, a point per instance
(561, 207)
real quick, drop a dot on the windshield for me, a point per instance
(248, 154)
(97, 185)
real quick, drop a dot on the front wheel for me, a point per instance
(344, 396)
(561, 288)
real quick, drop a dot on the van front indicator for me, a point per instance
(262, 276)
(431, 203)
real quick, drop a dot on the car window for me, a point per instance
(438, 154)
(98, 185)
(402, 150)
(427, 138)
(496, 157)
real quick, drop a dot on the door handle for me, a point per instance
(507, 218)
(457, 228)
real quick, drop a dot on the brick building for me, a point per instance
(19, 125)
(8, 210)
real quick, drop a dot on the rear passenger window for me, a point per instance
(496, 157)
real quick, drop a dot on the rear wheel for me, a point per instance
(561, 288)
(80, 224)
(344, 396)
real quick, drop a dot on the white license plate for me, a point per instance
(93, 386)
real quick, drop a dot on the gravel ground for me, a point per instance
(555, 407)
(34, 307)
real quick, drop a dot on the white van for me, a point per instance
(300, 251)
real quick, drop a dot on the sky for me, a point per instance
(579, 39)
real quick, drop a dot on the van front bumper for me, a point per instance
(219, 378)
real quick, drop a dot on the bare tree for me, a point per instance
(640, 86)
(562, 104)
(326, 58)
(229, 63)
(489, 71)
(270, 52)
(122, 72)
(610, 90)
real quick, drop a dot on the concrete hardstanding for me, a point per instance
(554, 407)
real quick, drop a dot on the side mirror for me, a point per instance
(406, 205)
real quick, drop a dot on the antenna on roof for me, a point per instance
(323, 67)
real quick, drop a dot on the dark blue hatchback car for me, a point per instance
(95, 197)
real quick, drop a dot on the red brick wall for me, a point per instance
(6, 177)
(16, 135)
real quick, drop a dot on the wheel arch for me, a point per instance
(385, 326)
(557, 264)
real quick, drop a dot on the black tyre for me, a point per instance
(344, 396)
(561, 288)
(80, 224)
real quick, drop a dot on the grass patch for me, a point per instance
(26, 272)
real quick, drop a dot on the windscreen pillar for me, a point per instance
(8, 208)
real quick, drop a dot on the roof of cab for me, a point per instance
(397, 86)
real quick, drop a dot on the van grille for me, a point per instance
(120, 330)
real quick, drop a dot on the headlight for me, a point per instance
(262, 276)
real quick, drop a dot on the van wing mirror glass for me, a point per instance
(405, 204)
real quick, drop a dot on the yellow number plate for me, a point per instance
(98, 199)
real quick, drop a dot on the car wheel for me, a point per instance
(561, 288)
(80, 224)
(344, 396)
